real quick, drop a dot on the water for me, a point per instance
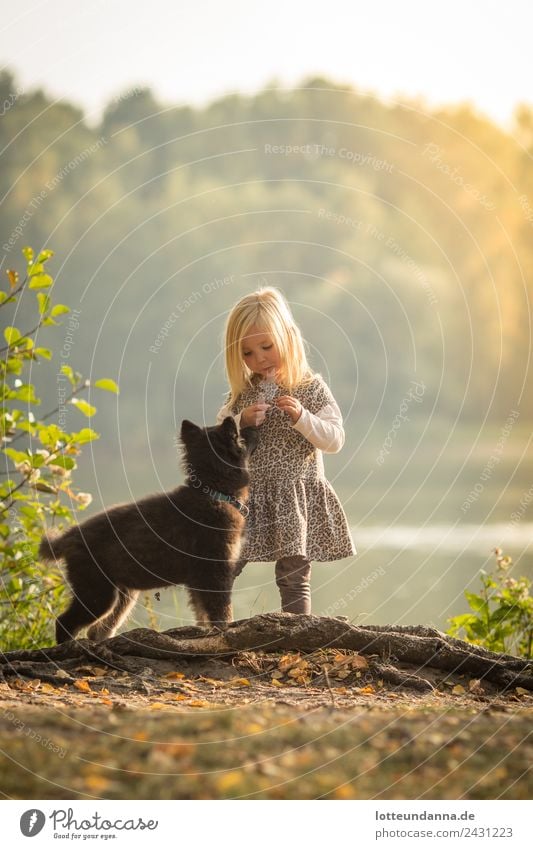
(403, 574)
(453, 539)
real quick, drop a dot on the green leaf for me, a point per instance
(479, 628)
(85, 435)
(12, 335)
(28, 427)
(463, 620)
(25, 393)
(28, 253)
(59, 309)
(64, 462)
(49, 436)
(44, 302)
(28, 510)
(83, 406)
(69, 373)
(475, 601)
(43, 352)
(36, 268)
(40, 281)
(107, 384)
(45, 255)
(17, 456)
(37, 460)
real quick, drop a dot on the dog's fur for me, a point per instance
(178, 537)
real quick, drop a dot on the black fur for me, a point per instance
(178, 537)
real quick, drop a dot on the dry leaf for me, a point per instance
(97, 783)
(140, 735)
(287, 661)
(13, 277)
(458, 689)
(83, 686)
(229, 781)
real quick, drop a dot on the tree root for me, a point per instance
(418, 647)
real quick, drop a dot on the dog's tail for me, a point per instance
(50, 547)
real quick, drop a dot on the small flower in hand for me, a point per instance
(289, 405)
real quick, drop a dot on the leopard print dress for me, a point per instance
(294, 510)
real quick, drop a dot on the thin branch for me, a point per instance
(75, 391)
(15, 291)
(24, 336)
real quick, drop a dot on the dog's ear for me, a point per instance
(229, 425)
(188, 428)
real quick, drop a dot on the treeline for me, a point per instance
(402, 238)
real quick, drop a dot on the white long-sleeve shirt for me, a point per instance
(324, 429)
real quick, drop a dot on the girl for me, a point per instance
(294, 513)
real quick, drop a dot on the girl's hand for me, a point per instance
(291, 406)
(254, 415)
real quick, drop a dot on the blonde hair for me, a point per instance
(268, 309)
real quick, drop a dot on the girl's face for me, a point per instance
(259, 351)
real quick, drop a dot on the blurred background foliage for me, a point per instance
(401, 238)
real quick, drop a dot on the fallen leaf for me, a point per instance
(96, 783)
(140, 735)
(83, 686)
(229, 781)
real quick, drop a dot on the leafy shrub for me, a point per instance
(36, 487)
(502, 613)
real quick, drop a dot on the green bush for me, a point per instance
(502, 613)
(36, 487)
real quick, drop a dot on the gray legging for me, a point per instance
(293, 580)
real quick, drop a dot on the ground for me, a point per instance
(262, 726)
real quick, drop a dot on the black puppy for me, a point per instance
(191, 535)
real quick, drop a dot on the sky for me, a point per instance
(475, 51)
